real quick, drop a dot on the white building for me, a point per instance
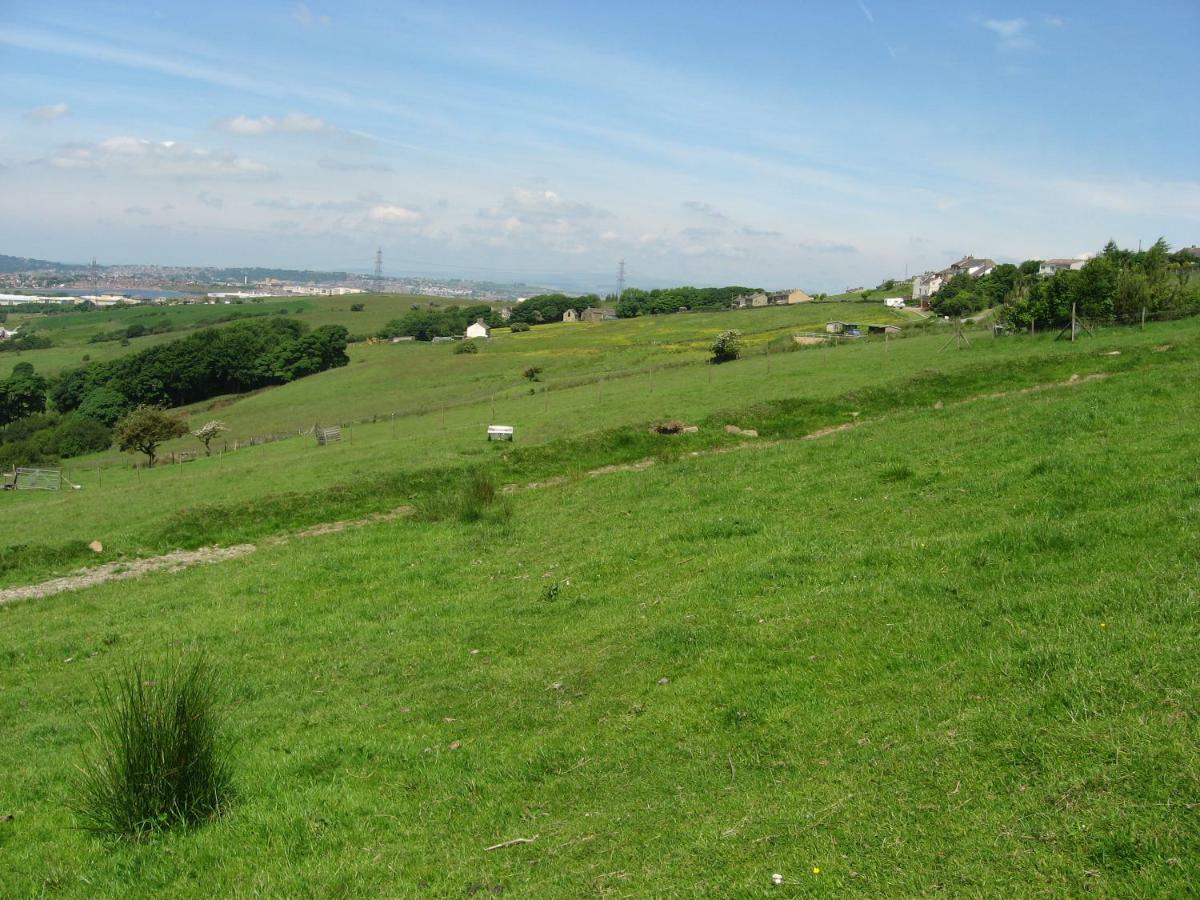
(926, 285)
(893, 302)
(478, 329)
(5, 334)
(1054, 266)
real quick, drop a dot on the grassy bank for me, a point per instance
(950, 651)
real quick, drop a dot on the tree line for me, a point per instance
(40, 418)
(1114, 286)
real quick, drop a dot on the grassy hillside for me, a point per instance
(71, 331)
(447, 402)
(948, 651)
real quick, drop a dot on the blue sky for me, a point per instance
(805, 144)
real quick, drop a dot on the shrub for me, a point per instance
(466, 347)
(162, 759)
(518, 327)
(727, 347)
(357, 307)
(533, 372)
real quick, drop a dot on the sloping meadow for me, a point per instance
(950, 651)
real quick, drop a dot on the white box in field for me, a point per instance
(500, 432)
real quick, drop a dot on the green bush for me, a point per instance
(727, 347)
(518, 327)
(162, 759)
(466, 347)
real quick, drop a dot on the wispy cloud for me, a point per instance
(1012, 34)
(165, 159)
(705, 209)
(341, 165)
(304, 14)
(45, 114)
(261, 126)
(866, 12)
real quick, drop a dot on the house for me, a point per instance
(505, 313)
(757, 299)
(1054, 266)
(925, 286)
(478, 329)
(893, 302)
(787, 298)
(570, 316)
(969, 265)
(597, 314)
(1191, 251)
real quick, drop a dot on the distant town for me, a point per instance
(25, 280)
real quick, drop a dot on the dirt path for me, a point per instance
(178, 560)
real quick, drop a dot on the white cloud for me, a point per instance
(391, 214)
(210, 200)
(866, 12)
(541, 208)
(136, 211)
(165, 159)
(44, 114)
(258, 126)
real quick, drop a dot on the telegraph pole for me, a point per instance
(379, 270)
(620, 280)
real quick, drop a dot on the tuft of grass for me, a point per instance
(476, 497)
(479, 494)
(162, 759)
(897, 473)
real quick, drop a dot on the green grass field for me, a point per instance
(597, 376)
(948, 647)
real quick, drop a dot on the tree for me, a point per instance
(533, 372)
(207, 432)
(727, 347)
(105, 406)
(22, 394)
(147, 427)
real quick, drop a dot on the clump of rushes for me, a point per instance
(478, 495)
(162, 759)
